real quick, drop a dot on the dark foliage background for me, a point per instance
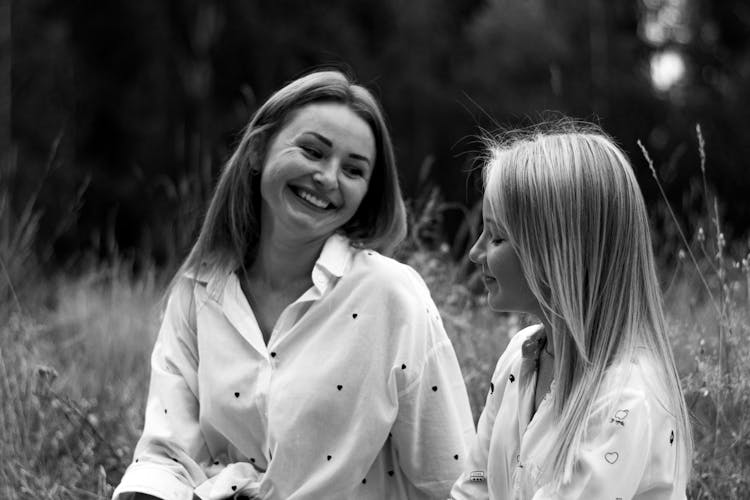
(122, 112)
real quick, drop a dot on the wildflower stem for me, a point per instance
(677, 225)
(721, 273)
(708, 257)
(72, 408)
(10, 285)
(702, 153)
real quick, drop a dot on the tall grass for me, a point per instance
(74, 360)
(709, 313)
(74, 378)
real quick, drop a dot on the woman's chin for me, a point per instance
(495, 303)
(502, 305)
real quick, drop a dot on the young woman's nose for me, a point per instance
(476, 253)
(326, 176)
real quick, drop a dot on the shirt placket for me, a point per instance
(289, 317)
(526, 398)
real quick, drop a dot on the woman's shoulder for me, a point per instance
(637, 381)
(514, 350)
(386, 273)
(190, 288)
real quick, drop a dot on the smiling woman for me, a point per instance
(316, 174)
(296, 360)
(587, 403)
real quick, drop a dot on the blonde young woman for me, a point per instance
(295, 359)
(587, 404)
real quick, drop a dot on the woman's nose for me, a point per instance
(326, 175)
(476, 252)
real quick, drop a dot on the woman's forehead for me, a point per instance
(490, 213)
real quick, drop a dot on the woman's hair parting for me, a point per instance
(229, 233)
(568, 199)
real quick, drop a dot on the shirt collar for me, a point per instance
(336, 255)
(534, 343)
(334, 260)
(210, 276)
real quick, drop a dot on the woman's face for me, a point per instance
(316, 172)
(507, 288)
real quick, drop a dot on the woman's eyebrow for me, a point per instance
(325, 140)
(493, 225)
(356, 156)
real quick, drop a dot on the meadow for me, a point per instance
(75, 346)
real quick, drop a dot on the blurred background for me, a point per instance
(122, 113)
(116, 117)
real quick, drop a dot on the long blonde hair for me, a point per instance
(573, 212)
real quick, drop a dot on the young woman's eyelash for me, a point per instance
(495, 238)
(354, 171)
(311, 151)
(492, 238)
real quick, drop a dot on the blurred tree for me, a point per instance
(698, 53)
(718, 93)
(149, 98)
(5, 68)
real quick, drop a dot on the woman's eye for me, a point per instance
(353, 171)
(312, 151)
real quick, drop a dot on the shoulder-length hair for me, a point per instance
(570, 204)
(229, 234)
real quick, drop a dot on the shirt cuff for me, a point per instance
(153, 480)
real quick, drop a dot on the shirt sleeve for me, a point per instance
(619, 449)
(472, 483)
(434, 427)
(166, 457)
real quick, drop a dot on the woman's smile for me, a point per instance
(317, 201)
(489, 281)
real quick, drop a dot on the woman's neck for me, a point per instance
(282, 264)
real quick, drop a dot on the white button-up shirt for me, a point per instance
(628, 452)
(358, 394)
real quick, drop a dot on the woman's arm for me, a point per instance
(434, 427)
(629, 448)
(472, 483)
(165, 463)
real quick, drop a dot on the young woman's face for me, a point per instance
(316, 173)
(507, 288)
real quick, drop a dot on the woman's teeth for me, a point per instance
(313, 200)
